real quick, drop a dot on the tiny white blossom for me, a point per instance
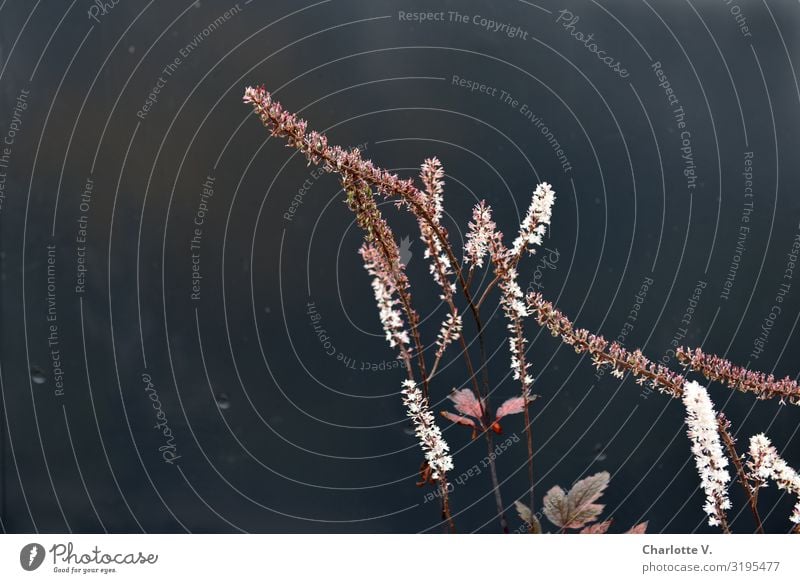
(707, 449)
(383, 288)
(481, 230)
(534, 225)
(437, 452)
(765, 463)
(449, 332)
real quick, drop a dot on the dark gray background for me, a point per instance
(275, 435)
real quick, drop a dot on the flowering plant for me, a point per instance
(484, 248)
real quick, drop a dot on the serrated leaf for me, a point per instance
(640, 528)
(577, 508)
(466, 403)
(556, 507)
(510, 407)
(528, 517)
(580, 517)
(597, 527)
(582, 497)
(524, 512)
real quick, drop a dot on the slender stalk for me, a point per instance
(528, 425)
(749, 490)
(446, 515)
(495, 482)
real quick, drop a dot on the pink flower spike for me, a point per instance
(511, 407)
(466, 403)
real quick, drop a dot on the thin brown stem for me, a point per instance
(514, 262)
(527, 419)
(749, 489)
(495, 482)
(446, 514)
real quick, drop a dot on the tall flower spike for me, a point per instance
(450, 332)
(432, 175)
(480, 230)
(514, 307)
(707, 450)
(534, 225)
(763, 386)
(603, 352)
(765, 463)
(384, 288)
(437, 452)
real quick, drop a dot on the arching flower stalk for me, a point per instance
(603, 352)
(763, 386)
(708, 455)
(390, 284)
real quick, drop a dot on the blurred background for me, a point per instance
(189, 339)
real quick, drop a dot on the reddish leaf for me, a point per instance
(524, 512)
(576, 509)
(528, 518)
(597, 527)
(555, 506)
(640, 528)
(466, 403)
(458, 419)
(510, 407)
(582, 497)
